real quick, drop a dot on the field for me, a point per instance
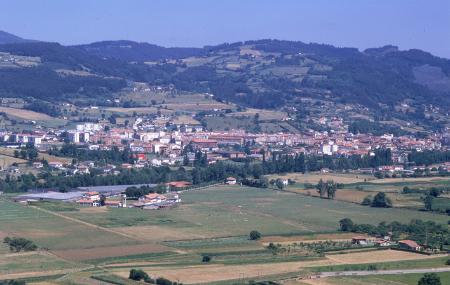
(6, 161)
(171, 243)
(238, 210)
(400, 279)
(9, 152)
(356, 187)
(26, 114)
(313, 178)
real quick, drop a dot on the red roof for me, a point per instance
(410, 243)
(179, 184)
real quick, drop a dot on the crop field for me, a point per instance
(19, 263)
(171, 243)
(25, 114)
(400, 279)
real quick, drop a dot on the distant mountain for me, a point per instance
(133, 51)
(262, 73)
(7, 38)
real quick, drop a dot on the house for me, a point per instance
(88, 203)
(92, 195)
(178, 184)
(361, 240)
(382, 242)
(113, 204)
(409, 245)
(38, 164)
(55, 164)
(230, 181)
(152, 198)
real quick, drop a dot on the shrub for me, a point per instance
(163, 281)
(367, 201)
(430, 279)
(255, 235)
(206, 258)
(19, 244)
(381, 201)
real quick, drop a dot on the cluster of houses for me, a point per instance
(109, 196)
(386, 241)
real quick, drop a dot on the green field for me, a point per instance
(214, 222)
(50, 231)
(401, 279)
(234, 211)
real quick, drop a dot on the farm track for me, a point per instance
(89, 224)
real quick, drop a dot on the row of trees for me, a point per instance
(106, 156)
(201, 173)
(429, 233)
(140, 275)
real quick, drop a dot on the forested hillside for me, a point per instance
(262, 74)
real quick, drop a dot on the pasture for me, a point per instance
(223, 211)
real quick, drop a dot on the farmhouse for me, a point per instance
(230, 181)
(360, 240)
(178, 185)
(409, 245)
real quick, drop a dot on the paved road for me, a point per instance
(380, 272)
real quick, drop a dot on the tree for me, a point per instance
(428, 202)
(279, 184)
(102, 199)
(206, 258)
(367, 201)
(331, 189)
(19, 244)
(430, 279)
(138, 275)
(346, 225)
(321, 188)
(255, 235)
(381, 201)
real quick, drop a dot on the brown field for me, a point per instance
(109, 251)
(376, 256)
(213, 273)
(25, 114)
(353, 196)
(187, 120)
(315, 177)
(220, 272)
(10, 152)
(6, 161)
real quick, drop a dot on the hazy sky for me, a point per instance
(423, 24)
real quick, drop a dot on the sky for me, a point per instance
(423, 24)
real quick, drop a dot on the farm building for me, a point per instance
(361, 240)
(230, 181)
(409, 245)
